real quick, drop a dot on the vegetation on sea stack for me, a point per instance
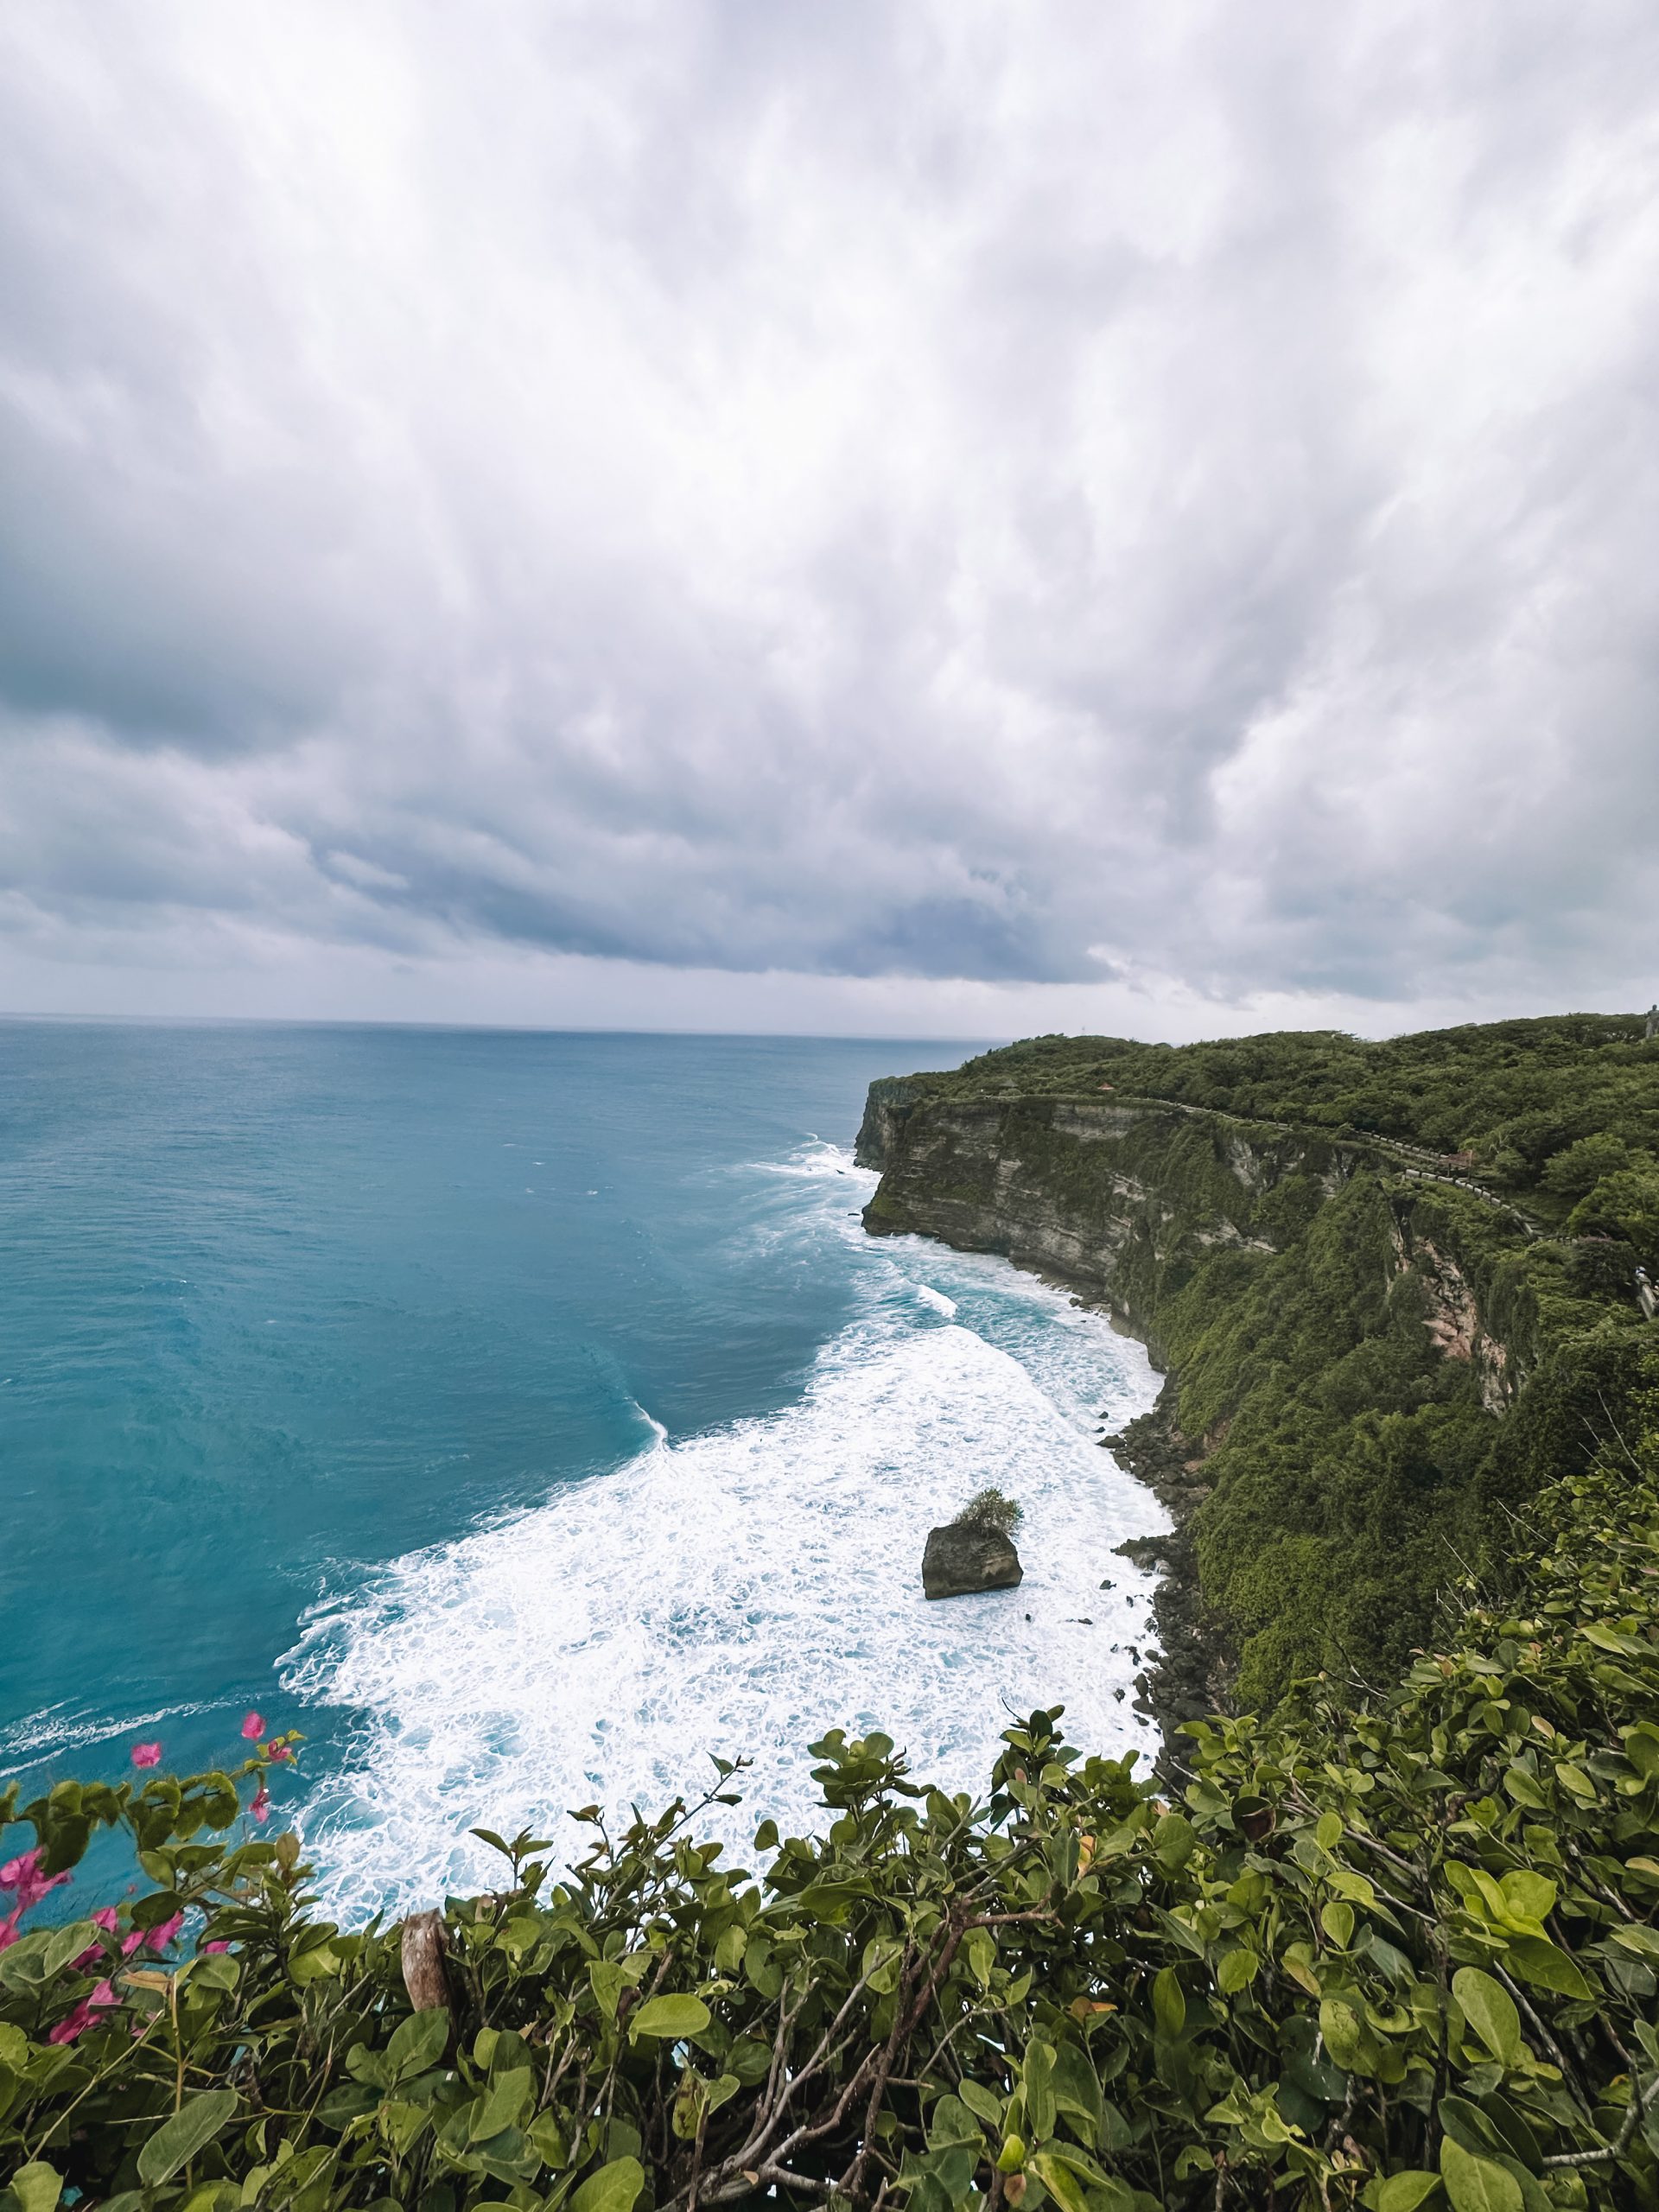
(989, 1509)
(1396, 1953)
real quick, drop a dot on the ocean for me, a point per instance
(526, 1417)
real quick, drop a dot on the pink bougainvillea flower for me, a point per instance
(146, 1755)
(9, 1929)
(23, 1874)
(280, 1753)
(109, 1920)
(261, 1805)
(211, 1947)
(81, 2018)
(161, 1936)
(254, 1727)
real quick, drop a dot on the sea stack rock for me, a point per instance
(961, 1559)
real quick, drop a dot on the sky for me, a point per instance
(950, 519)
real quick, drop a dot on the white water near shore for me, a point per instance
(740, 1591)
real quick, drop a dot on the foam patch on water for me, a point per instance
(739, 1592)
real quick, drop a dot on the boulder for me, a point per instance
(961, 1559)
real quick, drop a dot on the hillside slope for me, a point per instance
(1394, 1285)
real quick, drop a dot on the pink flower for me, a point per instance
(23, 1874)
(146, 1755)
(261, 1805)
(253, 1727)
(280, 1753)
(9, 1929)
(215, 1947)
(161, 1936)
(108, 1919)
(81, 2018)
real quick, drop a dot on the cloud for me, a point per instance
(1064, 502)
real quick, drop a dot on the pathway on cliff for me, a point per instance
(1433, 1171)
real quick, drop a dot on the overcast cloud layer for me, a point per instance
(953, 516)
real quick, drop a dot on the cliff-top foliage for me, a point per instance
(1397, 1955)
(1551, 1109)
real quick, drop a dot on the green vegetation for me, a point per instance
(1556, 1110)
(1393, 1284)
(989, 1509)
(1398, 1955)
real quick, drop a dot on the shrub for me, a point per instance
(1394, 1956)
(989, 1509)
(1578, 1168)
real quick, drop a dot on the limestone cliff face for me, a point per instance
(1123, 1199)
(1118, 1198)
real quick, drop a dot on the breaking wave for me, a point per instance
(740, 1591)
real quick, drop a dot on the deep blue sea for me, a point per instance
(524, 1416)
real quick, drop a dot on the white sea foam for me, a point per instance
(55, 1729)
(743, 1590)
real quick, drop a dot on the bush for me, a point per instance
(1625, 1204)
(1578, 1168)
(989, 1509)
(1399, 1956)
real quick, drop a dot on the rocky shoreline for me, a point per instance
(1188, 1676)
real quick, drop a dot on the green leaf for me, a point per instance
(1168, 2004)
(1327, 1831)
(613, 2188)
(1536, 1959)
(1477, 2184)
(1237, 1970)
(1528, 1896)
(610, 1977)
(509, 2100)
(68, 1942)
(37, 2186)
(1406, 2190)
(980, 2100)
(1337, 1919)
(981, 1948)
(23, 1968)
(1062, 2184)
(213, 1970)
(416, 2043)
(1038, 2089)
(1344, 2035)
(1490, 2011)
(1077, 2089)
(1174, 1841)
(190, 2129)
(950, 2122)
(671, 2017)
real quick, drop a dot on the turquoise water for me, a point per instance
(524, 1416)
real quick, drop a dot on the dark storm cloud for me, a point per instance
(944, 491)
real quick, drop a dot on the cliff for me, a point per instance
(1348, 1321)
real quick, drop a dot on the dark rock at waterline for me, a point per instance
(960, 1560)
